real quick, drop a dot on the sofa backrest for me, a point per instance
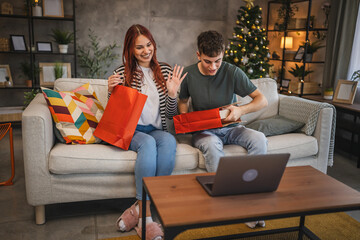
(268, 87)
(69, 84)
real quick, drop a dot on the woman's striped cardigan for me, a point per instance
(168, 105)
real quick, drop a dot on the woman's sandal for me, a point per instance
(130, 218)
(153, 230)
(261, 223)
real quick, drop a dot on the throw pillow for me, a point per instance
(275, 125)
(76, 113)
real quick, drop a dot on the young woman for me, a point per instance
(155, 147)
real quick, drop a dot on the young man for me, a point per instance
(212, 83)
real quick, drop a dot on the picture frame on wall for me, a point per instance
(18, 43)
(44, 47)
(4, 74)
(285, 83)
(53, 8)
(47, 73)
(345, 91)
(299, 53)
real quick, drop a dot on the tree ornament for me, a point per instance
(245, 60)
(236, 60)
(245, 30)
(250, 71)
(242, 18)
(261, 68)
(231, 53)
(237, 22)
(253, 27)
(256, 21)
(268, 55)
(259, 16)
(256, 48)
(249, 3)
(243, 49)
(255, 38)
(246, 15)
(228, 46)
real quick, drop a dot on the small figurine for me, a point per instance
(275, 55)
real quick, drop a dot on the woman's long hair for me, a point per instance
(130, 61)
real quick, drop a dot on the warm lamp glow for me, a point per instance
(288, 42)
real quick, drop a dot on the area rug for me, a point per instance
(326, 226)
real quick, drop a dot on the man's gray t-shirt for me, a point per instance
(208, 92)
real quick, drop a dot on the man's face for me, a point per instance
(209, 65)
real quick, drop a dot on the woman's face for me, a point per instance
(144, 51)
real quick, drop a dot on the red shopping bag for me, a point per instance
(121, 116)
(198, 120)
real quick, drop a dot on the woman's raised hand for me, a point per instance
(114, 80)
(174, 81)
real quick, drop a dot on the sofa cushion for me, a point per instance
(299, 145)
(268, 87)
(275, 125)
(75, 113)
(101, 158)
(99, 86)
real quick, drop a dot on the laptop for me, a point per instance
(245, 174)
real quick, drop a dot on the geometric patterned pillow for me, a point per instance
(76, 113)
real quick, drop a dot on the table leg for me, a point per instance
(143, 220)
(9, 181)
(301, 227)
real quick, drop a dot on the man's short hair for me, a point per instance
(210, 43)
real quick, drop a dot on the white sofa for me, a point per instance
(58, 173)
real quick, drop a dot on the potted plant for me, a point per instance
(312, 47)
(298, 72)
(29, 96)
(328, 93)
(355, 76)
(28, 72)
(58, 70)
(95, 59)
(62, 38)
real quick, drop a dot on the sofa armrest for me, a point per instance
(38, 139)
(302, 110)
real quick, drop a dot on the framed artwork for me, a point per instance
(345, 91)
(285, 83)
(4, 74)
(44, 46)
(53, 8)
(47, 73)
(18, 43)
(299, 53)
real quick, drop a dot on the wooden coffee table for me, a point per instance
(183, 204)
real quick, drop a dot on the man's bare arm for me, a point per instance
(183, 105)
(259, 101)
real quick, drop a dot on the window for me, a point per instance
(354, 64)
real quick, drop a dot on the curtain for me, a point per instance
(342, 25)
(355, 53)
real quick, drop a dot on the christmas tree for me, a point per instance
(248, 47)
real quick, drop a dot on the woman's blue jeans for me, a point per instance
(211, 143)
(156, 150)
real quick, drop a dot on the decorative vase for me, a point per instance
(29, 83)
(63, 48)
(8, 84)
(309, 57)
(328, 95)
(37, 11)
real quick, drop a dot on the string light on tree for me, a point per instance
(250, 42)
